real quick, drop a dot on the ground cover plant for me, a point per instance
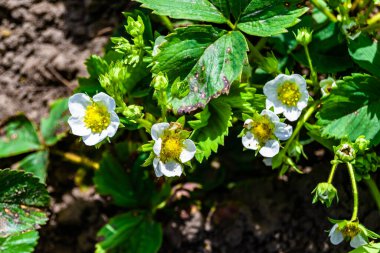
(175, 81)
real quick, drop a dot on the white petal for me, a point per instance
(335, 235)
(156, 166)
(78, 127)
(283, 131)
(272, 116)
(171, 169)
(248, 123)
(108, 101)
(278, 108)
(302, 103)
(357, 241)
(157, 130)
(299, 80)
(114, 125)
(157, 146)
(188, 151)
(94, 138)
(270, 149)
(292, 113)
(267, 161)
(249, 141)
(78, 104)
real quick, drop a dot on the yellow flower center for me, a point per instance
(97, 117)
(171, 148)
(289, 94)
(350, 230)
(262, 128)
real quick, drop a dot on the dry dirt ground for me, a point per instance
(43, 46)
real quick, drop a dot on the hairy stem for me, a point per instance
(355, 194)
(300, 124)
(332, 173)
(374, 191)
(324, 9)
(77, 159)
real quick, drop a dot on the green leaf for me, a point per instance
(352, 109)
(242, 98)
(237, 7)
(36, 163)
(18, 136)
(19, 243)
(223, 7)
(132, 189)
(209, 137)
(270, 17)
(201, 10)
(53, 127)
(130, 233)
(369, 248)
(22, 198)
(221, 64)
(96, 66)
(366, 53)
(183, 48)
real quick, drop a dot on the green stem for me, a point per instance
(232, 26)
(355, 194)
(300, 124)
(332, 173)
(166, 22)
(74, 158)
(374, 191)
(254, 54)
(313, 74)
(324, 9)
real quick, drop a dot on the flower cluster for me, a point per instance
(285, 94)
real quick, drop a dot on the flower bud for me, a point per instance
(326, 86)
(361, 144)
(269, 64)
(304, 36)
(160, 82)
(345, 153)
(325, 193)
(133, 112)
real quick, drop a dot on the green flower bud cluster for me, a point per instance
(304, 36)
(366, 164)
(132, 52)
(133, 113)
(325, 193)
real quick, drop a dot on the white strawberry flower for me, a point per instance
(171, 150)
(93, 119)
(287, 94)
(263, 131)
(350, 231)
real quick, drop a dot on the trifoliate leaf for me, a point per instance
(220, 64)
(209, 137)
(18, 136)
(365, 52)
(19, 243)
(53, 127)
(352, 109)
(201, 10)
(22, 199)
(266, 18)
(130, 232)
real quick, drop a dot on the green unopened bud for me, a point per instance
(135, 27)
(345, 153)
(270, 64)
(133, 112)
(304, 36)
(160, 82)
(361, 144)
(325, 193)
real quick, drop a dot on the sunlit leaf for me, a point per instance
(19, 243)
